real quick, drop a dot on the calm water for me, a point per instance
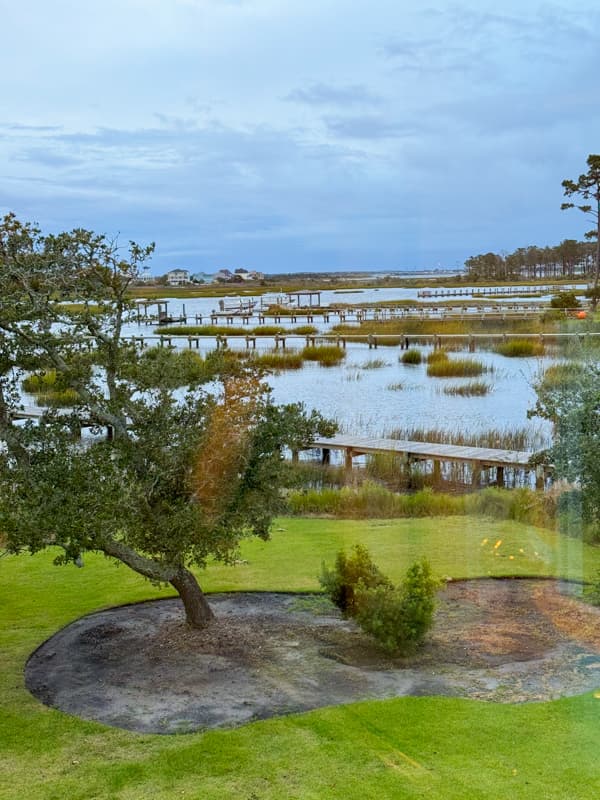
(362, 400)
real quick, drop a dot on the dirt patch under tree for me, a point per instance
(140, 667)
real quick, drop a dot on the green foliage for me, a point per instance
(51, 389)
(565, 300)
(399, 618)
(412, 356)
(573, 406)
(341, 583)
(194, 462)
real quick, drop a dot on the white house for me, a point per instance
(178, 277)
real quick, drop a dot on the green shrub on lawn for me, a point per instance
(341, 582)
(399, 617)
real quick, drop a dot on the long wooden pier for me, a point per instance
(478, 458)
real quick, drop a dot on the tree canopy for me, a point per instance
(184, 454)
(587, 189)
(569, 396)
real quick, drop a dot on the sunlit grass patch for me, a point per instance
(456, 368)
(520, 348)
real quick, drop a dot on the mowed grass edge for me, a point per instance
(410, 747)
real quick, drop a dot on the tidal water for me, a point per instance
(374, 400)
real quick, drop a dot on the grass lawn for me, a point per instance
(405, 748)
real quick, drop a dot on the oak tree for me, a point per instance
(193, 462)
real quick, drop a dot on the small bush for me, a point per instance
(398, 618)
(327, 355)
(520, 348)
(565, 300)
(460, 367)
(341, 582)
(411, 357)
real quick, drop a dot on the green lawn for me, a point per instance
(405, 748)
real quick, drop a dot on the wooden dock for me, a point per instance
(478, 458)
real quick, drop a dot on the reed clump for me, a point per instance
(412, 356)
(278, 360)
(437, 355)
(375, 363)
(520, 348)
(456, 368)
(326, 355)
(471, 389)
(562, 376)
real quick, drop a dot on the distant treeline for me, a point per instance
(569, 259)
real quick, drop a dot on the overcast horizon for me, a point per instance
(308, 136)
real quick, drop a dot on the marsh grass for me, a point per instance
(50, 390)
(375, 363)
(437, 355)
(495, 438)
(520, 348)
(562, 376)
(371, 500)
(471, 389)
(395, 387)
(326, 355)
(412, 356)
(456, 368)
(278, 360)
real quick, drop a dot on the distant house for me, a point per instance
(178, 277)
(224, 275)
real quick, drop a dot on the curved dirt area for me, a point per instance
(139, 667)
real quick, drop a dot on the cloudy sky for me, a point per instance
(286, 135)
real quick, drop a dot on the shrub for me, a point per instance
(565, 300)
(341, 582)
(398, 618)
(411, 357)
(460, 367)
(520, 348)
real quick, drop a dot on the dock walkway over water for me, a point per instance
(479, 458)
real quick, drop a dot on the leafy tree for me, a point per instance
(587, 188)
(193, 462)
(572, 404)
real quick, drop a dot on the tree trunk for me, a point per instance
(197, 611)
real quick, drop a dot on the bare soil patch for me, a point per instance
(140, 667)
